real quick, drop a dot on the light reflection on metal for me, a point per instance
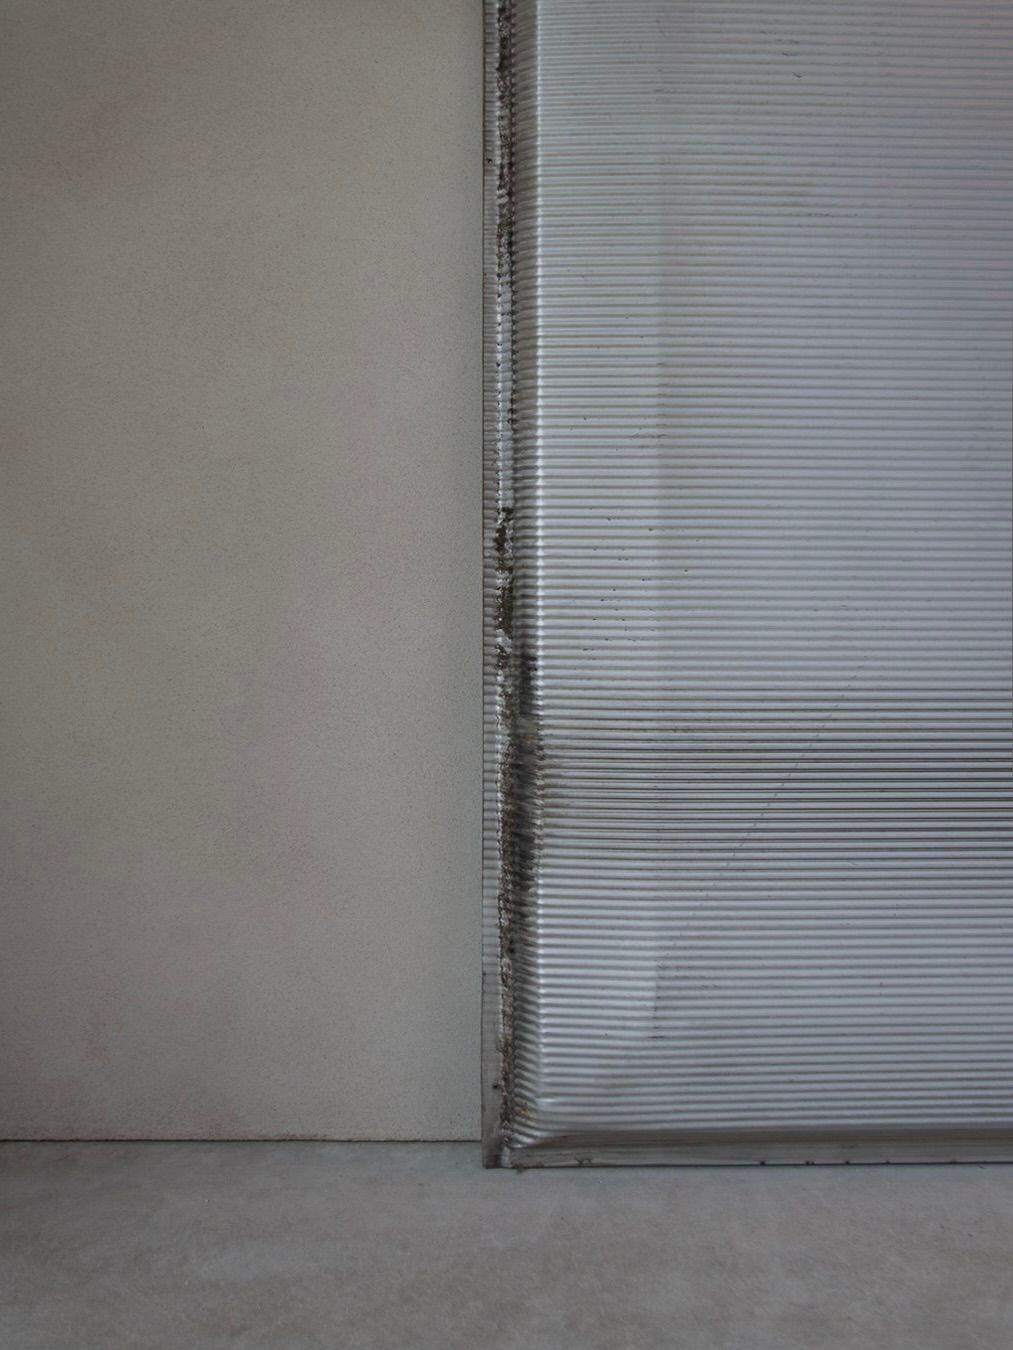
(748, 807)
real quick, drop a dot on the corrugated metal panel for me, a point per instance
(749, 803)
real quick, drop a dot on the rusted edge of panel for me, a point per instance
(971, 1144)
(500, 667)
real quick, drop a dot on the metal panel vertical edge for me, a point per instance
(499, 677)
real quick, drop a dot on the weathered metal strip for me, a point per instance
(499, 673)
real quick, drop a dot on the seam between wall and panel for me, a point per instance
(499, 655)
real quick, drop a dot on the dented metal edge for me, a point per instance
(499, 658)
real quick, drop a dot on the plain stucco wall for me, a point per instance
(241, 350)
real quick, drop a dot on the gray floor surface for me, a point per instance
(382, 1246)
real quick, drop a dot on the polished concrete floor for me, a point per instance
(384, 1246)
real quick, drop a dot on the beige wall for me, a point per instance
(241, 352)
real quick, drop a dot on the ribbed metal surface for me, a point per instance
(749, 882)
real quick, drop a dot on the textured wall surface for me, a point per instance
(241, 344)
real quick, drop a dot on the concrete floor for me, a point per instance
(383, 1246)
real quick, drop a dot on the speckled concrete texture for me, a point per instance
(240, 329)
(377, 1247)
